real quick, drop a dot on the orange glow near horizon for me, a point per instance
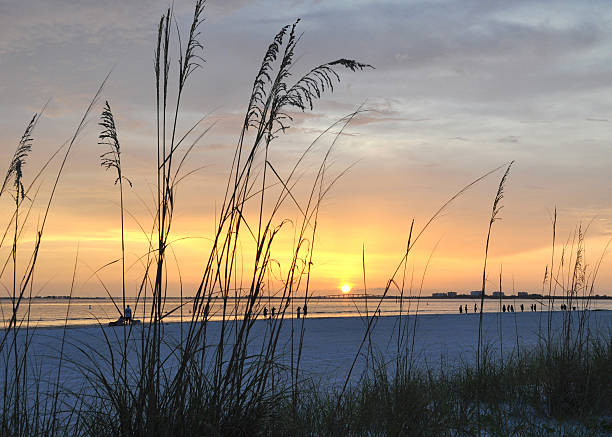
(345, 289)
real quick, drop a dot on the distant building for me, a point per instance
(452, 294)
(476, 293)
(498, 294)
(438, 295)
(523, 294)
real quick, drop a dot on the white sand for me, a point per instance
(330, 344)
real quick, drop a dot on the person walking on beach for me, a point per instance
(466, 310)
(265, 312)
(504, 308)
(128, 315)
(305, 310)
(273, 311)
(522, 308)
(475, 308)
(298, 312)
(460, 309)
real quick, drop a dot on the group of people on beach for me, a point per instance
(508, 308)
(466, 309)
(273, 312)
(125, 319)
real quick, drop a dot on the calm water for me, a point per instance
(53, 312)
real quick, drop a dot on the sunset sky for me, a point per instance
(459, 88)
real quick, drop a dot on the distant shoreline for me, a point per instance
(336, 297)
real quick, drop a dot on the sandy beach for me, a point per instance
(329, 346)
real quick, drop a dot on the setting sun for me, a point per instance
(345, 288)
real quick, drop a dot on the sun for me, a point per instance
(345, 289)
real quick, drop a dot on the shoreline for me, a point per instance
(34, 326)
(356, 296)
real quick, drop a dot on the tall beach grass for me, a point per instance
(145, 383)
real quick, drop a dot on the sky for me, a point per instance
(458, 88)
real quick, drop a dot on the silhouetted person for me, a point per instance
(273, 311)
(128, 314)
(522, 308)
(305, 310)
(460, 309)
(504, 308)
(298, 312)
(265, 312)
(466, 310)
(475, 308)
(512, 308)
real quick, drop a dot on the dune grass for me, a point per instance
(512, 394)
(204, 386)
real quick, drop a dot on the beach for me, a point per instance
(330, 345)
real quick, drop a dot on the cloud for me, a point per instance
(454, 81)
(509, 139)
